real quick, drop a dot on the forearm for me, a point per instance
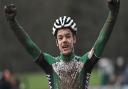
(24, 39)
(104, 34)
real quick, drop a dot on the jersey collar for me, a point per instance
(67, 57)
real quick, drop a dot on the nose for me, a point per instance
(64, 39)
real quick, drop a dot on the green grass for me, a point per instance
(39, 81)
(95, 79)
(34, 81)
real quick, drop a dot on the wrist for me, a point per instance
(113, 14)
(10, 19)
(111, 17)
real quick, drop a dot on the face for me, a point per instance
(6, 74)
(65, 41)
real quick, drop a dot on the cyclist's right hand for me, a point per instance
(10, 12)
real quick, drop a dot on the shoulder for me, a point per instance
(45, 58)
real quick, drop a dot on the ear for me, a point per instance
(74, 37)
(57, 42)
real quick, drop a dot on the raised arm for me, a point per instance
(23, 37)
(107, 28)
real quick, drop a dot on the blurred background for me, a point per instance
(37, 18)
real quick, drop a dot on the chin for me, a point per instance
(66, 53)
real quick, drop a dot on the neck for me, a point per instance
(67, 57)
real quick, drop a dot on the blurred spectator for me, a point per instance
(9, 80)
(16, 83)
(125, 78)
(5, 82)
(106, 72)
(119, 71)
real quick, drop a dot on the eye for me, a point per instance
(68, 36)
(60, 38)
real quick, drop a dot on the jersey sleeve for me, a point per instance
(24, 39)
(104, 35)
(101, 41)
(45, 62)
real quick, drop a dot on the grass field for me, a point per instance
(39, 81)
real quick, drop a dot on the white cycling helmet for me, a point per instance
(64, 22)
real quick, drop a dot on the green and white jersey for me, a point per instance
(74, 73)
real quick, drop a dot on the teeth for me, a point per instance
(65, 46)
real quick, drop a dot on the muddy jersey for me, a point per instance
(71, 74)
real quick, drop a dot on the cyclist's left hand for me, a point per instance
(114, 6)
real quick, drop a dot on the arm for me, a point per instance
(23, 37)
(107, 28)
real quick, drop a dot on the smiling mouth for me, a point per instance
(65, 47)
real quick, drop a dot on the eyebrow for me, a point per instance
(65, 34)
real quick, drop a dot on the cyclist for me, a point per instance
(67, 71)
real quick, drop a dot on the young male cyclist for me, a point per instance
(67, 71)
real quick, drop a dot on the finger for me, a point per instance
(10, 9)
(117, 2)
(12, 5)
(117, 5)
(110, 1)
